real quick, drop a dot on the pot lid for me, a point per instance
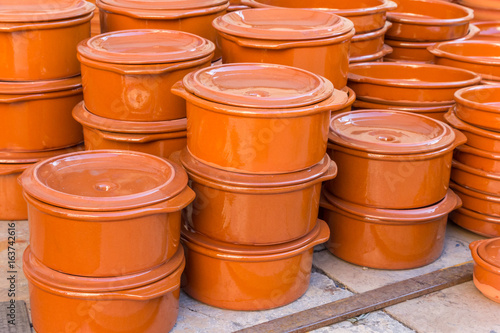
(164, 4)
(36, 87)
(13, 157)
(43, 274)
(104, 180)
(489, 251)
(43, 11)
(282, 24)
(145, 46)
(258, 85)
(389, 132)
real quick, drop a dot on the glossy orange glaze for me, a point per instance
(368, 43)
(12, 204)
(483, 203)
(476, 179)
(486, 268)
(434, 112)
(478, 223)
(478, 158)
(479, 106)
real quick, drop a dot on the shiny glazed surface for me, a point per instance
(476, 179)
(479, 202)
(489, 30)
(478, 158)
(479, 106)
(478, 223)
(368, 43)
(486, 268)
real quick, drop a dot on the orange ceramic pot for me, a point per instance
(480, 202)
(405, 83)
(486, 276)
(481, 224)
(145, 302)
(245, 277)
(436, 112)
(375, 57)
(476, 137)
(255, 209)
(391, 159)
(368, 43)
(38, 38)
(311, 40)
(124, 80)
(95, 25)
(478, 158)
(482, 13)
(479, 106)
(489, 30)
(350, 101)
(428, 21)
(37, 115)
(159, 138)
(476, 179)
(367, 15)
(193, 16)
(258, 118)
(387, 238)
(122, 209)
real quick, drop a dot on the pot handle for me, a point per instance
(323, 235)
(475, 244)
(460, 138)
(179, 90)
(390, 5)
(134, 138)
(180, 201)
(329, 174)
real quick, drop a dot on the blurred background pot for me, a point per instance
(486, 276)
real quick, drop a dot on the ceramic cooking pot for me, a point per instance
(124, 79)
(39, 38)
(489, 30)
(479, 106)
(375, 57)
(428, 21)
(255, 209)
(486, 276)
(478, 158)
(37, 115)
(368, 43)
(405, 83)
(142, 302)
(478, 223)
(476, 179)
(258, 118)
(391, 159)
(159, 138)
(193, 16)
(483, 203)
(245, 277)
(122, 208)
(312, 40)
(12, 165)
(476, 137)
(350, 101)
(367, 15)
(387, 238)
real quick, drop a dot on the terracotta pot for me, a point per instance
(368, 43)
(159, 138)
(350, 101)
(476, 179)
(38, 38)
(311, 40)
(37, 115)
(482, 13)
(274, 119)
(476, 137)
(475, 55)
(428, 21)
(489, 30)
(391, 159)
(243, 277)
(193, 16)
(375, 57)
(122, 208)
(254, 209)
(482, 203)
(95, 25)
(386, 238)
(367, 15)
(478, 223)
(479, 106)
(145, 302)
(405, 83)
(477, 158)
(486, 274)
(135, 81)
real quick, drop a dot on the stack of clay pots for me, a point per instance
(476, 168)
(419, 24)
(389, 204)
(256, 158)
(104, 248)
(39, 85)
(127, 77)
(484, 10)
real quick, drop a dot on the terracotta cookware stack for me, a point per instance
(476, 167)
(127, 76)
(425, 89)
(419, 24)
(486, 276)
(104, 248)
(39, 86)
(256, 158)
(389, 204)
(484, 10)
(368, 17)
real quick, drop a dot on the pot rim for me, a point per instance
(461, 99)
(474, 193)
(478, 152)
(467, 15)
(11, 169)
(43, 12)
(30, 157)
(476, 248)
(437, 50)
(418, 104)
(476, 172)
(419, 107)
(50, 25)
(478, 216)
(483, 252)
(39, 87)
(386, 49)
(372, 34)
(452, 118)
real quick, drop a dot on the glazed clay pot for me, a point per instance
(479, 106)
(489, 30)
(311, 40)
(243, 277)
(387, 238)
(481, 224)
(476, 179)
(368, 43)
(144, 302)
(193, 16)
(350, 101)
(481, 13)
(480, 202)
(375, 57)
(122, 209)
(367, 15)
(159, 138)
(486, 276)
(428, 21)
(124, 80)
(478, 158)
(255, 209)
(258, 118)
(39, 38)
(37, 115)
(391, 159)
(404, 83)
